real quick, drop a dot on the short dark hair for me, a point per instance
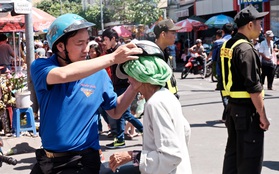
(228, 28)
(110, 33)
(63, 39)
(3, 37)
(164, 25)
(219, 33)
(97, 48)
(158, 32)
(91, 38)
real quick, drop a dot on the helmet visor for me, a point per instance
(149, 49)
(78, 24)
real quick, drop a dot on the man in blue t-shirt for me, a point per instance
(70, 89)
(227, 31)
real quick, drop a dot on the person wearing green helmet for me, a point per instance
(166, 131)
(70, 89)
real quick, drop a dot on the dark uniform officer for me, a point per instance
(246, 118)
(167, 27)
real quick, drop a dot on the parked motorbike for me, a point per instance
(195, 67)
(207, 48)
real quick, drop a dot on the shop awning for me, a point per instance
(183, 11)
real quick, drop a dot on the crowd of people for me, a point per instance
(75, 75)
(80, 79)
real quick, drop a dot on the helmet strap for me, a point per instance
(67, 59)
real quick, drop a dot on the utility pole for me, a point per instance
(30, 57)
(102, 15)
(61, 7)
(84, 4)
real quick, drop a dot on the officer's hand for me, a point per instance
(264, 123)
(126, 52)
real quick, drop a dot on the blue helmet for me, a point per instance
(64, 24)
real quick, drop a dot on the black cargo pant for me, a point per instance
(269, 72)
(244, 150)
(84, 162)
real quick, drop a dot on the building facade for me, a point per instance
(274, 17)
(209, 8)
(180, 9)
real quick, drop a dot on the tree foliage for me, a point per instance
(56, 8)
(93, 14)
(128, 11)
(135, 11)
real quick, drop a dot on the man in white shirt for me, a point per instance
(6, 53)
(267, 57)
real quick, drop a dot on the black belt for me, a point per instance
(50, 154)
(241, 101)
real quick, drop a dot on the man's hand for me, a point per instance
(257, 100)
(126, 52)
(264, 123)
(118, 159)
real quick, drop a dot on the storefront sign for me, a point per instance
(251, 1)
(182, 13)
(5, 7)
(258, 6)
(22, 7)
(184, 2)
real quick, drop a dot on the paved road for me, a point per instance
(202, 106)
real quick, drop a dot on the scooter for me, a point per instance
(193, 66)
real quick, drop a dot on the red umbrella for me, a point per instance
(41, 21)
(189, 24)
(122, 31)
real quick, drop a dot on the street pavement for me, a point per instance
(202, 107)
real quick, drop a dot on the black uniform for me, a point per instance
(244, 150)
(171, 84)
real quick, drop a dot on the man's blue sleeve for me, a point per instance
(214, 51)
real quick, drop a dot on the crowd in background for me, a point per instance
(128, 125)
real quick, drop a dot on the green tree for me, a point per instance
(135, 11)
(92, 13)
(128, 11)
(56, 8)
